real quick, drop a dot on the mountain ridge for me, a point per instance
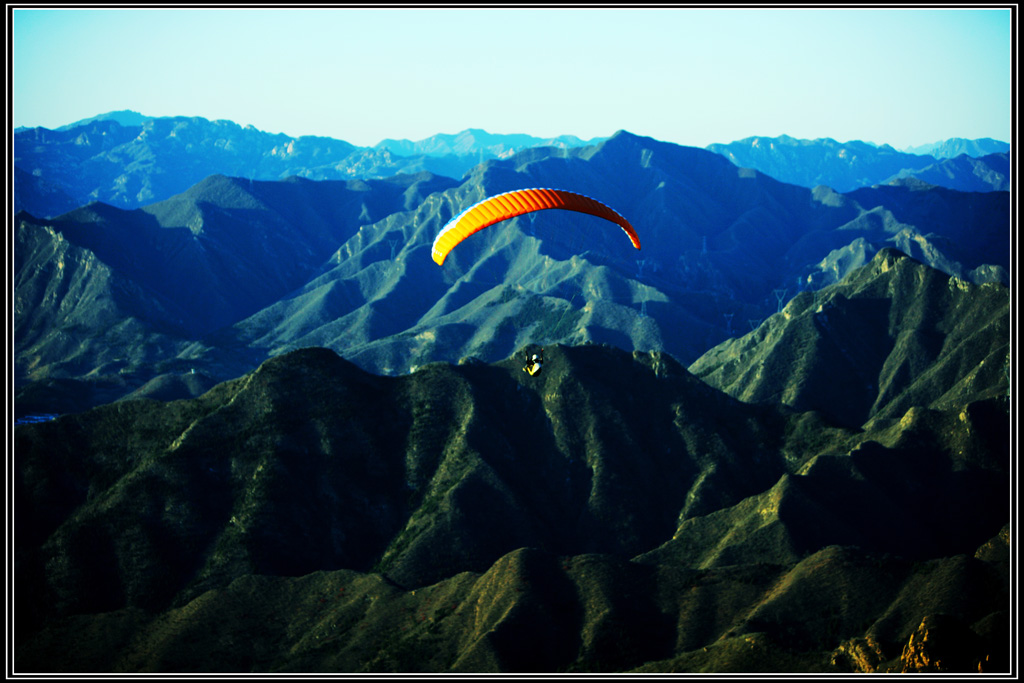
(552, 505)
(930, 320)
(954, 147)
(721, 244)
(129, 160)
(478, 141)
(289, 442)
(847, 166)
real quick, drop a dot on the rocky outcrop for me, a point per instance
(942, 644)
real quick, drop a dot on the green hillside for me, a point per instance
(612, 514)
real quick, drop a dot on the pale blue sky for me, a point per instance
(903, 77)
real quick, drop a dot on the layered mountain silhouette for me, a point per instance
(776, 439)
(475, 141)
(109, 291)
(954, 147)
(129, 160)
(613, 514)
(215, 280)
(970, 174)
(889, 337)
(966, 165)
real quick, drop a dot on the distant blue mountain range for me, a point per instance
(128, 160)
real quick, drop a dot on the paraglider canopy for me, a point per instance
(516, 203)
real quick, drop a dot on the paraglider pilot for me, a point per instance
(534, 363)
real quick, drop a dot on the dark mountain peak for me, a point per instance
(887, 257)
(125, 118)
(626, 139)
(640, 151)
(214, 183)
(893, 334)
(912, 183)
(623, 133)
(307, 365)
(95, 212)
(227, 191)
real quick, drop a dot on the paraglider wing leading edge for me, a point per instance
(511, 204)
